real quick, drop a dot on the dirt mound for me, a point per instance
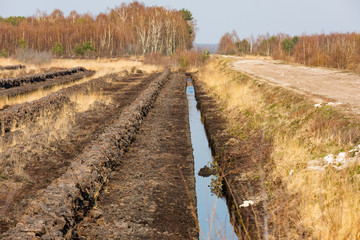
(12, 67)
(17, 81)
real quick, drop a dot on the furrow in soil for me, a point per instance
(151, 195)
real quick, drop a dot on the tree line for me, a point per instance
(336, 50)
(133, 29)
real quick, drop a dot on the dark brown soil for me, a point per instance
(49, 83)
(117, 174)
(48, 162)
(12, 67)
(23, 80)
(151, 194)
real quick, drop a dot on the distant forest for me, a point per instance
(130, 29)
(336, 50)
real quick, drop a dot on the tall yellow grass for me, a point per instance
(51, 126)
(84, 102)
(55, 126)
(307, 203)
(104, 66)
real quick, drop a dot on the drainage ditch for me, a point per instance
(212, 211)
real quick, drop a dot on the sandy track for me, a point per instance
(324, 85)
(146, 197)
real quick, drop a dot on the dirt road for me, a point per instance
(325, 85)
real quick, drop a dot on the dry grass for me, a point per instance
(84, 102)
(105, 66)
(101, 66)
(19, 72)
(35, 138)
(306, 203)
(25, 144)
(52, 127)
(30, 69)
(15, 155)
(39, 93)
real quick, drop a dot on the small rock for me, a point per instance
(206, 171)
(247, 203)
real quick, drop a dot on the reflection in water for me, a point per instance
(214, 220)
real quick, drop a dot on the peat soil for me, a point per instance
(151, 194)
(66, 78)
(50, 160)
(23, 80)
(238, 166)
(12, 67)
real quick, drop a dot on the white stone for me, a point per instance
(247, 203)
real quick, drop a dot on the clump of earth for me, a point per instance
(206, 171)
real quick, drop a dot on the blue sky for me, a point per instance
(215, 17)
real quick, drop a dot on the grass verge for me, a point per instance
(304, 192)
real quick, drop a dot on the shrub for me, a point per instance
(287, 44)
(3, 53)
(188, 59)
(205, 55)
(58, 49)
(22, 43)
(15, 21)
(184, 61)
(84, 48)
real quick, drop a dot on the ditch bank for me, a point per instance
(231, 157)
(65, 202)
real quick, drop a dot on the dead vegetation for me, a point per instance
(32, 92)
(278, 135)
(77, 187)
(128, 29)
(45, 125)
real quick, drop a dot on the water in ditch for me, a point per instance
(213, 215)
